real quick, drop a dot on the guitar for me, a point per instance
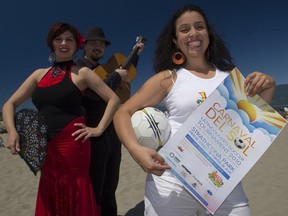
(119, 60)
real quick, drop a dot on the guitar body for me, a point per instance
(124, 90)
(119, 60)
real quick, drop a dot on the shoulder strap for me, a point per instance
(171, 74)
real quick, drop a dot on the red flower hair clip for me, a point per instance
(80, 40)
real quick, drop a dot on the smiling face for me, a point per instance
(64, 46)
(94, 50)
(192, 36)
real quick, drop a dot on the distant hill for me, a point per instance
(280, 98)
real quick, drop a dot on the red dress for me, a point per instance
(64, 188)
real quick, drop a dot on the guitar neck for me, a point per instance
(127, 63)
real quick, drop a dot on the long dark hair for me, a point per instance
(217, 54)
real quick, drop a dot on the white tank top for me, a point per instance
(187, 93)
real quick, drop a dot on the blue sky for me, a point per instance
(255, 32)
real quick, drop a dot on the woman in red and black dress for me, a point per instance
(64, 187)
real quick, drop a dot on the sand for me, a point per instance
(265, 184)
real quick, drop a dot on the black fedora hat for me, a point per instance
(96, 33)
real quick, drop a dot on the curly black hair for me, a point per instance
(217, 54)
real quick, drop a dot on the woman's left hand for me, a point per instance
(256, 82)
(86, 132)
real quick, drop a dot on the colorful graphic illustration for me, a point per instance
(216, 179)
(221, 141)
(256, 109)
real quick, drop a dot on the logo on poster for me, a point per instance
(216, 179)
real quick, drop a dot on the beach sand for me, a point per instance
(265, 184)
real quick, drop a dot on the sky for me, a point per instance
(255, 32)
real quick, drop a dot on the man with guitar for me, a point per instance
(106, 149)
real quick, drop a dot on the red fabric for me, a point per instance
(65, 188)
(48, 80)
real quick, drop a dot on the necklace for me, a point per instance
(57, 72)
(60, 68)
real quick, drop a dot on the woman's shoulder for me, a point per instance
(81, 69)
(166, 75)
(166, 78)
(40, 72)
(220, 73)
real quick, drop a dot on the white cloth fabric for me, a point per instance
(187, 93)
(166, 195)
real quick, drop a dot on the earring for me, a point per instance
(51, 57)
(178, 58)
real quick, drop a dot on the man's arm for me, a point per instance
(113, 80)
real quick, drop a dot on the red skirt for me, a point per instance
(65, 188)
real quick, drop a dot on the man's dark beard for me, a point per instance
(95, 59)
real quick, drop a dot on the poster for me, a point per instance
(221, 141)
